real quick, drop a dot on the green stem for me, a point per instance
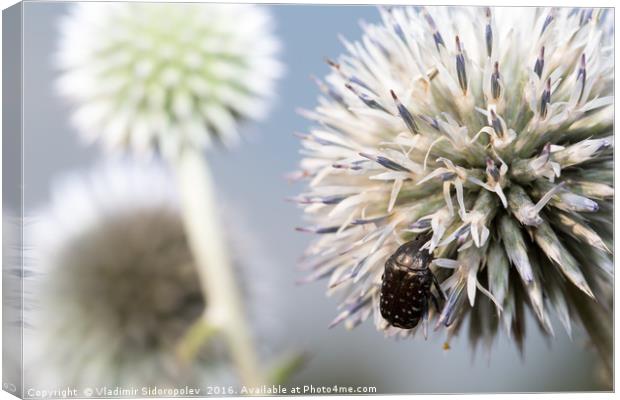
(287, 367)
(206, 239)
(197, 335)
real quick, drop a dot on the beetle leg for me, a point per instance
(435, 303)
(425, 321)
(438, 287)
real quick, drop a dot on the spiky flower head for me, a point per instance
(491, 130)
(164, 76)
(113, 287)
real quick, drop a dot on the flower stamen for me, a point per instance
(405, 114)
(540, 62)
(488, 33)
(495, 83)
(545, 99)
(460, 66)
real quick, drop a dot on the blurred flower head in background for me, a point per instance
(115, 287)
(166, 75)
(490, 129)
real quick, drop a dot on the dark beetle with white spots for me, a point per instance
(407, 281)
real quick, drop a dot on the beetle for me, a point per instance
(406, 284)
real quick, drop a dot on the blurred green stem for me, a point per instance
(206, 239)
(197, 335)
(286, 368)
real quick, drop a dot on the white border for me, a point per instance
(566, 3)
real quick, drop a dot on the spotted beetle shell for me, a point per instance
(406, 286)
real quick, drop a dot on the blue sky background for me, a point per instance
(252, 176)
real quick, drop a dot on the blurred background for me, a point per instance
(253, 176)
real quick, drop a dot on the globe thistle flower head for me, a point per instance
(490, 130)
(166, 75)
(115, 288)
